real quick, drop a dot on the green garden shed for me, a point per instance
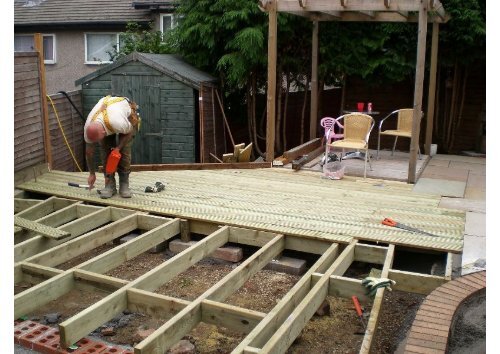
(181, 117)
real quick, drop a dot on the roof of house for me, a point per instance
(148, 4)
(70, 12)
(170, 64)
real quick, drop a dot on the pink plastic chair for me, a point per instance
(329, 123)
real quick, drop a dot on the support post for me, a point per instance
(272, 49)
(419, 85)
(43, 99)
(432, 88)
(314, 82)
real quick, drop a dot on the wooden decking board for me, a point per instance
(282, 201)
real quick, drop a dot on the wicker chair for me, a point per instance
(403, 128)
(357, 129)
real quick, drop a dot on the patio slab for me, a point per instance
(440, 187)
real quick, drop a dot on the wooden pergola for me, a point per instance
(421, 11)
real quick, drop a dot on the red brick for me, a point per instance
(445, 293)
(23, 328)
(443, 300)
(441, 316)
(116, 350)
(229, 253)
(422, 350)
(426, 344)
(480, 282)
(427, 307)
(433, 338)
(44, 343)
(470, 283)
(90, 347)
(26, 340)
(429, 331)
(431, 325)
(458, 288)
(434, 320)
(441, 305)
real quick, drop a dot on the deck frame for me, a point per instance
(91, 226)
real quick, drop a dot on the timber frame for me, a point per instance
(421, 11)
(37, 256)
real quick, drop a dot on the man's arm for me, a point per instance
(89, 156)
(124, 139)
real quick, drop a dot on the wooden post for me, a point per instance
(271, 78)
(419, 86)
(314, 82)
(43, 99)
(432, 88)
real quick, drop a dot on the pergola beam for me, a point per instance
(351, 5)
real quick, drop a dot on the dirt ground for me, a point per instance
(337, 332)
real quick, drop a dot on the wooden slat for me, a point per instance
(40, 228)
(281, 201)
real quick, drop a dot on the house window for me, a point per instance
(100, 46)
(26, 43)
(168, 22)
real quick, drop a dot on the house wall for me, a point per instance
(172, 130)
(70, 60)
(29, 149)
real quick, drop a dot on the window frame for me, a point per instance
(54, 46)
(54, 52)
(117, 35)
(173, 22)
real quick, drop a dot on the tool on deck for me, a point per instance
(112, 162)
(392, 223)
(359, 311)
(158, 187)
(77, 185)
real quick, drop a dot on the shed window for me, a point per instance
(99, 47)
(26, 43)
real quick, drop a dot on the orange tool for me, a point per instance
(392, 223)
(357, 306)
(112, 162)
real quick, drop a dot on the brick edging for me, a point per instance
(431, 328)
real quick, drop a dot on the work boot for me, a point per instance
(109, 187)
(124, 189)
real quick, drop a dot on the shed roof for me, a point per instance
(67, 12)
(170, 64)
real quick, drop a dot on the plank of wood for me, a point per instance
(267, 326)
(229, 316)
(415, 282)
(41, 229)
(370, 253)
(66, 251)
(40, 294)
(155, 305)
(246, 153)
(21, 204)
(303, 149)
(229, 158)
(76, 228)
(289, 330)
(201, 166)
(174, 329)
(371, 327)
(131, 249)
(83, 323)
(299, 162)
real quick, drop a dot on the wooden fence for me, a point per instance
(29, 146)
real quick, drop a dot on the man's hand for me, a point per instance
(91, 180)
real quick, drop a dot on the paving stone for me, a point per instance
(287, 265)
(229, 253)
(183, 347)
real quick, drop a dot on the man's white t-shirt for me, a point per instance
(118, 114)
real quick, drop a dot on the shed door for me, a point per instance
(144, 89)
